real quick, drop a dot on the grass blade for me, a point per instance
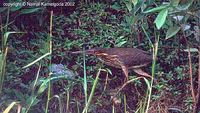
(92, 92)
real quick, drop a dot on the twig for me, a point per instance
(196, 107)
(191, 79)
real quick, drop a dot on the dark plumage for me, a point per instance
(124, 58)
(130, 57)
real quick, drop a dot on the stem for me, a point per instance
(85, 79)
(191, 79)
(196, 107)
(50, 51)
(155, 50)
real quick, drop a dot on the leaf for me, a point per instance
(38, 59)
(185, 27)
(185, 6)
(172, 31)
(148, 83)
(44, 83)
(130, 19)
(175, 2)
(134, 2)
(139, 6)
(92, 92)
(129, 6)
(15, 8)
(157, 9)
(178, 18)
(160, 19)
(109, 71)
(116, 6)
(1, 61)
(9, 107)
(30, 10)
(6, 35)
(32, 100)
(43, 86)
(196, 33)
(191, 50)
(121, 43)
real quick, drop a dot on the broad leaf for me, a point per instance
(157, 9)
(160, 19)
(172, 31)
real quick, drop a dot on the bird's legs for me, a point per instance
(125, 70)
(140, 72)
(137, 70)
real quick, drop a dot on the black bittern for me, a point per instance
(124, 58)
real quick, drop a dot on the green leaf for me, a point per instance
(44, 83)
(1, 61)
(148, 83)
(92, 92)
(175, 2)
(134, 2)
(6, 35)
(116, 6)
(157, 9)
(40, 58)
(172, 31)
(30, 10)
(15, 8)
(32, 100)
(160, 19)
(185, 6)
(43, 86)
(121, 43)
(130, 19)
(129, 6)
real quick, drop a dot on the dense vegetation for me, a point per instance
(39, 74)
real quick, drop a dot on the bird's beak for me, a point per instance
(90, 51)
(77, 52)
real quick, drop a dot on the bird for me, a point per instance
(122, 58)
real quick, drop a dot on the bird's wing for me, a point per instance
(135, 59)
